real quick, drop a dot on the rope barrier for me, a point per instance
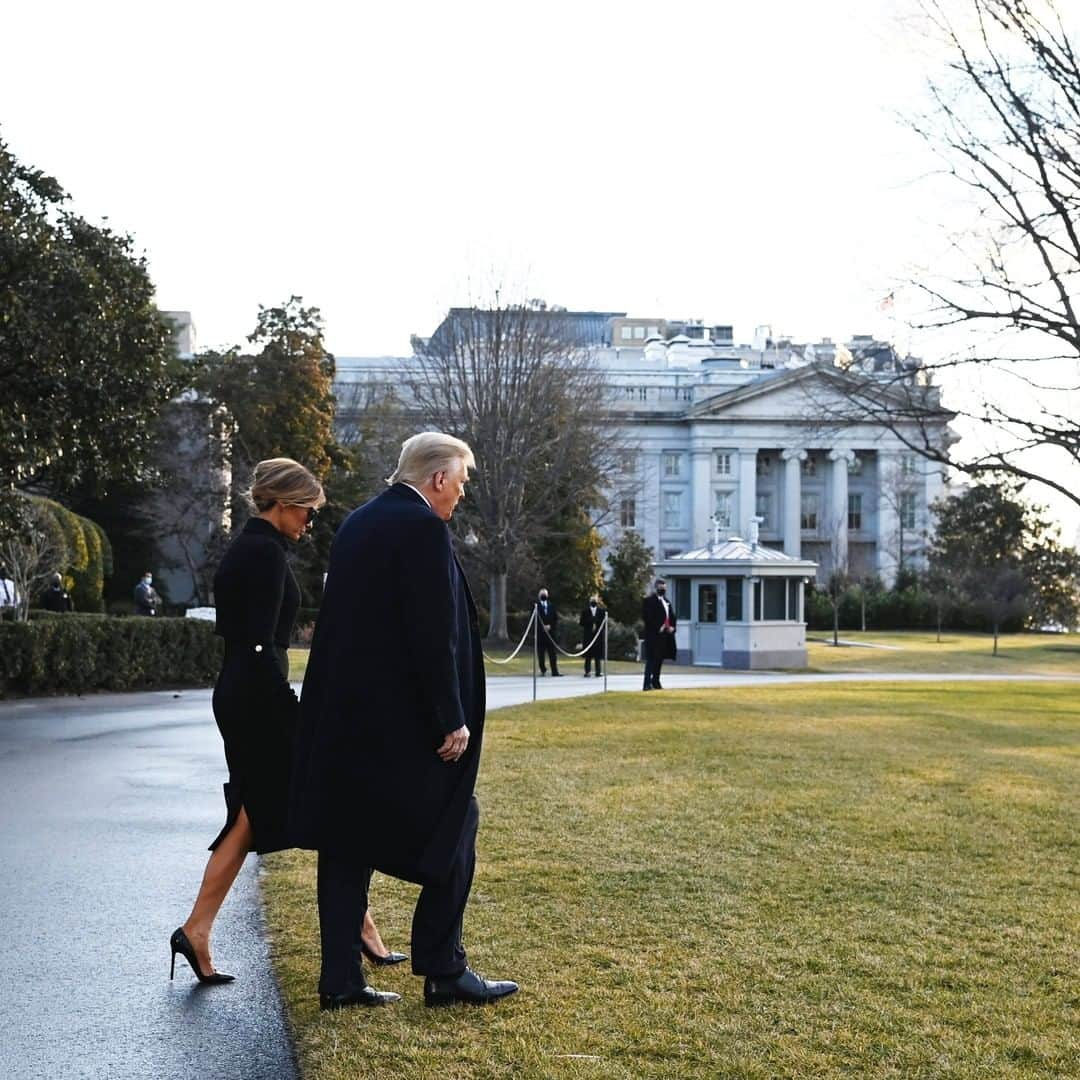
(575, 655)
(524, 637)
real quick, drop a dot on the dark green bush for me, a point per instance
(909, 608)
(73, 653)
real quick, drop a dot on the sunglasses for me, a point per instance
(312, 512)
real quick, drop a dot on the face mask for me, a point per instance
(148, 579)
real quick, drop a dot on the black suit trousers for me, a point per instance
(654, 661)
(546, 650)
(437, 921)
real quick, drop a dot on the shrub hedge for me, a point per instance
(73, 653)
(909, 608)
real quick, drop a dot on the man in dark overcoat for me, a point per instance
(391, 724)
(547, 619)
(658, 614)
(592, 619)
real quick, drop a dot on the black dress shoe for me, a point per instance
(657, 686)
(382, 961)
(557, 674)
(365, 995)
(468, 987)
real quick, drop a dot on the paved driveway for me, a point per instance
(107, 805)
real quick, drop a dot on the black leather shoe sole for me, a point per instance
(367, 997)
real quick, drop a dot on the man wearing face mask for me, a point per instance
(147, 601)
(659, 617)
(592, 619)
(548, 619)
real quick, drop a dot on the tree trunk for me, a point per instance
(497, 592)
(995, 637)
(836, 623)
(862, 598)
(939, 624)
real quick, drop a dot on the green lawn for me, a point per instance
(910, 651)
(916, 650)
(799, 881)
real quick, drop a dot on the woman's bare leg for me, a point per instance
(371, 937)
(221, 870)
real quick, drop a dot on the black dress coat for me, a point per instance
(590, 623)
(395, 665)
(652, 614)
(550, 619)
(256, 597)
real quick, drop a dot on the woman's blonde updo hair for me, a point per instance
(282, 480)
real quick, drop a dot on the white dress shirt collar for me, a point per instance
(418, 492)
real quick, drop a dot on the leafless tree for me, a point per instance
(32, 548)
(372, 419)
(513, 381)
(898, 484)
(1004, 121)
(838, 579)
(190, 514)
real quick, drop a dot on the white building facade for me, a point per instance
(718, 433)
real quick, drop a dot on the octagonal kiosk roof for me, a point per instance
(735, 554)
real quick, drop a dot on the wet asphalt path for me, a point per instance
(107, 804)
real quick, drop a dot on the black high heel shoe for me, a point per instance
(179, 944)
(382, 961)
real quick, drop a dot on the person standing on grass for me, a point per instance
(592, 619)
(391, 723)
(254, 705)
(660, 622)
(548, 619)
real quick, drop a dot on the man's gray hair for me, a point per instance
(425, 454)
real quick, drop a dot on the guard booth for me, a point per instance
(739, 605)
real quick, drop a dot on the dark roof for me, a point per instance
(585, 328)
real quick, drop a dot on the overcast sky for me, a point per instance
(736, 162)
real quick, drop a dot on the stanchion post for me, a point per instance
(536, 623)
(606, 658)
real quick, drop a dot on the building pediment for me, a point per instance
(819, 391)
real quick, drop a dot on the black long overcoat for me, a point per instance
(395, 665)
(652, 615)
(590, 624)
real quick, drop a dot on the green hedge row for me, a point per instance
(910, 608)
(74, 653)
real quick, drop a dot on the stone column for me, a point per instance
(701, 498)
(747, 489)
(837, 519)
(793, 460)
(888, 516)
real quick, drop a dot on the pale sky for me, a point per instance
(736, 162)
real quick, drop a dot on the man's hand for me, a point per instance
(454, 744)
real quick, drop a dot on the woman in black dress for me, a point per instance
(255, 708)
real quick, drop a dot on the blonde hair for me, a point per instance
(425, 454)
(282, 480)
